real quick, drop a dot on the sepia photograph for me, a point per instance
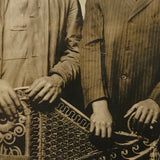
(79, 79)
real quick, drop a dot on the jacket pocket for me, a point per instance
(15, 43)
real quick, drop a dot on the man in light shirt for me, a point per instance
(38, 48)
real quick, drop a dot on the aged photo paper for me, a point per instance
(79, 79)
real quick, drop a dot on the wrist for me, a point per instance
(57, 79)
(100, 106)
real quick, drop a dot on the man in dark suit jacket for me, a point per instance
(120, 62)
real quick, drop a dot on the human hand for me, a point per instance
(146, 113)
(45, 89)
(101, 119)
(9, 101)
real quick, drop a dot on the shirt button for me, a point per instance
(123, 77)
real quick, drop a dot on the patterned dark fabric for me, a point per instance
(120, 52)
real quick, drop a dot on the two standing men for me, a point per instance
(120, 63)
(119, 56)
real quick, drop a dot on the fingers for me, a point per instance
(35, 88)
(8, 100)
(92, 126)
(14, 97)
(42, 92)
(130, 111)
(141, 114)
(138, 113)
(149, 117)
(103, 130)
(32, 86)
(139, 118)
(97, 128)
(9, 103)
(146, 115)
(54, 96)
(6, 109)
(51, 95)
(155, 117)
(44, 89)
(109, 131)
(48, 95)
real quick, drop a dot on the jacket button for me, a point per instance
(123, 77)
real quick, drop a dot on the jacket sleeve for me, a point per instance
(68, 65)
(90, 53)
(155, 95)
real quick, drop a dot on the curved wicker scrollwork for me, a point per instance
(14, 135)
(61, 132)
(133, 146)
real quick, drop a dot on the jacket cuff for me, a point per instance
(93, 94)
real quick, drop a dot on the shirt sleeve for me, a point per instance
(68, 65)
(90, 53)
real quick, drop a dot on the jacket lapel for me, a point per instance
(139, 6)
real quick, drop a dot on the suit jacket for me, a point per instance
(120, 52)
(39, 38)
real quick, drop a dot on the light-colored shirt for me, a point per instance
(37, 40)
(22, 57)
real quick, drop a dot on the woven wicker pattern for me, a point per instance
(62, 133)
